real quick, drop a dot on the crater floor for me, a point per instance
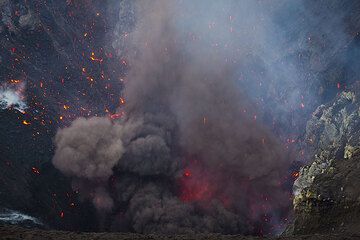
(17, 233)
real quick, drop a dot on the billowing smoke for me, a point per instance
(189, 156)
(87, 151)
(12, 95)
(192, 153)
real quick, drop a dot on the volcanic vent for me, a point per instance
(187, 153)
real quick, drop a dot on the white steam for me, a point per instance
(12, 96)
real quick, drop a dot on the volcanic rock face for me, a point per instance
(327, 193)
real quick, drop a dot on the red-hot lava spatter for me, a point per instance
(197, 184)
(35, 170)
(203, 185)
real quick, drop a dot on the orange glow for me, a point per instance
(25, 122)
(15, 81)
(90, 79)
(66, 107)
(94, 58)
(122, 100)
(295, 174)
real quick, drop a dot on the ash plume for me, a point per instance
(192, 153)
(188, 91)
(87, 151)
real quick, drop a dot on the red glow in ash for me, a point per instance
(226, 201)
(196, 191)
(187, 173)
(61, 214)
(195, 185)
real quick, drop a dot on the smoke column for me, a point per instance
(193, 152)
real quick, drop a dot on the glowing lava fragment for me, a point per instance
(35, 170)
(62, 214)
(116, 115)
(123, 62)
(26, 122)
(295, 174)
(15, 81)
(187, 173)
(94, 58)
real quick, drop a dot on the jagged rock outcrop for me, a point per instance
(327, 192)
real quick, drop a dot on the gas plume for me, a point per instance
(193, 152)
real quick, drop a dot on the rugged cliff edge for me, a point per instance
(327, 192)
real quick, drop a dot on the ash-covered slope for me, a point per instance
(327, 193)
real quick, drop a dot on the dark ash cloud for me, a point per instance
(194, 151)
